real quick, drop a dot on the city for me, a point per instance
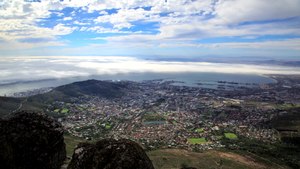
(158, 114)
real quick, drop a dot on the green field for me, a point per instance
(197, 140)
(56, 110)
(153, 117)
(107, 126)
(230, 135)
(64, 110)
(199, 130)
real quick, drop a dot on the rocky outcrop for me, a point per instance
(110, 154)
(31, 141)
(35, 141)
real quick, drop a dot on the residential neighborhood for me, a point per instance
(158, 114)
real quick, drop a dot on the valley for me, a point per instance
(161, 116)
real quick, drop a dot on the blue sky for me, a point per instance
(172, 28)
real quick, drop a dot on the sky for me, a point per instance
(157, 28)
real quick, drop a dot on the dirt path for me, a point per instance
(20, 106)
(242, 159)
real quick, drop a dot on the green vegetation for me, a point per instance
(107, 126)
(199, 130)
(287, 106)
(288, 126)
(85, 88)
(8, 104)
(56, 110)
(153, 117)
(279, 153)
(177, 158)
(197, 140)
(71, 142)
(230, 135)
(64, 110)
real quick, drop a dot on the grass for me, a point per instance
(107, 126)
(64, 110)
(197, 140)
(199, 130)
(176, 158)
(230, 135)
(287, 106)
(153, 117)
(56, 110)
(71, 143)
(272, 153)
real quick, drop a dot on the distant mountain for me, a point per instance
(283, 63)
(104, 89)
(233, 60)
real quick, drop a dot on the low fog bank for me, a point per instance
(15, 69)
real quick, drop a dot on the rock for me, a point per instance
(110, 154)
(31, 141)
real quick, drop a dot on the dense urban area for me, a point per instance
(158, 114)
(178, 121)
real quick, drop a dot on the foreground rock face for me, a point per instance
(31, 141)
(110, 154)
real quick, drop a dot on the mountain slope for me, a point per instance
(105, 89)
(8, 104)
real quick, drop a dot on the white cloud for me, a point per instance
(18, 22)
(80, 23)
(178, 22)
(42, 67)
(237, 11)
(100, 29)
(17, 34)
(290, 44)
(123, 18)
(68, 18)
(60, 29)
(187, 20)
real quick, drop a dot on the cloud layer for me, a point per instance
(196, 26)
(36, 68)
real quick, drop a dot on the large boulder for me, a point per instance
(110, 154)
(31, 141)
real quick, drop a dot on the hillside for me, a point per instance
(8, 104)
(103, 89)
(153, 108)
(177, 158)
